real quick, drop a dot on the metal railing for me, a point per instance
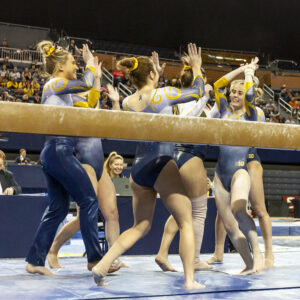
(121, 87)
(20, 54)
(269, 91)
(282, 105)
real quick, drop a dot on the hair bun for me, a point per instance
(44, 47)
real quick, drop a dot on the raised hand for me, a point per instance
(87, 55)
(112, 93)
(155, 59)
(194, 55)
(250, 69)
(98, 67)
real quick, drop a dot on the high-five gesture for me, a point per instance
(155, 59)
(87, 55)
(194, 54)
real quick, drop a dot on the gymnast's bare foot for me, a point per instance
(193, 285)
(247, 271)
(269, 260)
(201, 266)
(99, 276)
(122, 264)
(38, 270)
(91, 265)
(115, 266)
(214, 259)
(258, 264)
(52, 260)
(164, 264)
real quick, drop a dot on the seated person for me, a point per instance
(114, 165)
(22, 159)
(8, 185)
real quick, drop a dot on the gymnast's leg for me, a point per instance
(257, 200)
(193, 175)
(171, 190)
(231, 225)
(240, 186)
(220, 237)
(58, 209)
(143, 201)
(69, 229)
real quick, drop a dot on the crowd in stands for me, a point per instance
(25, 84)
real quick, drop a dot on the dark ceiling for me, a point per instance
(265, 26)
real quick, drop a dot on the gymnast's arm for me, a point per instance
(249, 92)
(194, 109)
(94, 93)
(213, 113)
(61, 86)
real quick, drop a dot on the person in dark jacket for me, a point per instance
(8, 185)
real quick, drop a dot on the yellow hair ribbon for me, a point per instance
(136, 64)
(51, 50)
(187, 67)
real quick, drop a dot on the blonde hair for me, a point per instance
(3, 156)
(138, 68)
(257, 90)
(52, 55)
(110, 159)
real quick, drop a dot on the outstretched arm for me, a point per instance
(249, 90)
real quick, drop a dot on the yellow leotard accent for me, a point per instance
(153, 102)
(65, 81)
(93, 98)
(170, 91)
(221, 83)
(92, 69)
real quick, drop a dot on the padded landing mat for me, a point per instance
(144, 280)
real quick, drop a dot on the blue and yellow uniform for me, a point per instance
(233, 158)
(151, 157)
(185, 152)
(66, 177)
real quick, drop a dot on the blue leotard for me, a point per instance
(233, 158)
(151, 157)
(66, 177)
(185, 152)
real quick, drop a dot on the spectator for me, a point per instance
(22, 159)
(270, 105)
(281, 119)
(8, 185)
(274, 112)
(25, 98)
(294, 103)
(7, 63)
(26, 74)
(3, 70)
(35, 86)
(2, 82)
(6, 97)
(4, 43)
(36, 98)
(73, 49)
(28, 90)
(12, 84)
(290, 120)
(114, 165)
(285, 94)
(15, 74)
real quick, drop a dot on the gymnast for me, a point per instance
(90, 154)
(232, 181)
(189, 159)
(64, 173)
(154, 171)
(257, 200)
